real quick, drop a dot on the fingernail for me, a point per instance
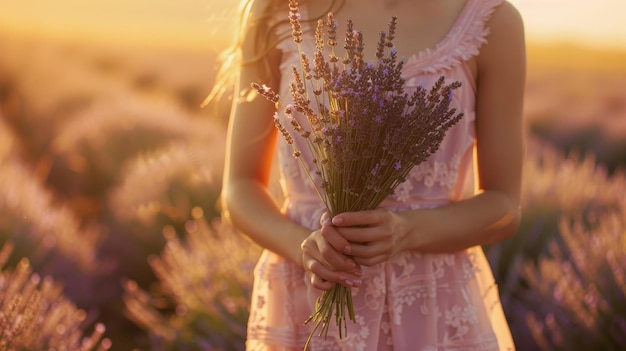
(356, 282)
(348, 282)
(327, 221)
(347, 250)
(337, 220)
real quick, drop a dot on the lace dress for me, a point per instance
(416, 302)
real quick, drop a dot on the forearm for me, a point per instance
(484, 219)
(254, 212)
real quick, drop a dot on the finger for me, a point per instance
(325, 219)
(360, 234)
(323, 278)
(358, 218)
(334, 260)
(320, 283)
(366, 251)
(335, 240)
(371, 261)
(314, 261)
(323, 284)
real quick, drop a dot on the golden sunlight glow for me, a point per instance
(204, 23)
(598, 23)
(197, 23)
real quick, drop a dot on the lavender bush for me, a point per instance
(34, 314)
(578, 291)
(195, 167)
(98, 119)
(558, 191)
(202, 301)
(29, 215)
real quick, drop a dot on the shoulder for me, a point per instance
(506, 23)
(506, 37)
(507, 14)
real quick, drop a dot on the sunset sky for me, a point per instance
(200, 22)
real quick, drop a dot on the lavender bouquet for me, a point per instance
(363, 131)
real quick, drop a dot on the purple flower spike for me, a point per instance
(375, 170)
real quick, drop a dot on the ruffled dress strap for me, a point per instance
(462, 42)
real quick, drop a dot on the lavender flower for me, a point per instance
(294, 19)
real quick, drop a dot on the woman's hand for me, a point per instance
(374, 236)
(325, 256)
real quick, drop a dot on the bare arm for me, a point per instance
(493, 214)
(251, 140)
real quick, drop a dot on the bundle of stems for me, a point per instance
(362, 130)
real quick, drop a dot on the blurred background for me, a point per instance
(110, 170)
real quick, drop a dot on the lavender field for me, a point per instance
(110, 236)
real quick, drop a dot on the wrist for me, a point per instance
(409, 238)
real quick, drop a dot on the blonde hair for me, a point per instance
(254, 19)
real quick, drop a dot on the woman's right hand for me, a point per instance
(325, 257)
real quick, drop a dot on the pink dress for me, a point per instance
(413, 302)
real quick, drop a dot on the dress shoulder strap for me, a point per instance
(462, 42)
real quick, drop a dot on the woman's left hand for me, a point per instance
(374, 235)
